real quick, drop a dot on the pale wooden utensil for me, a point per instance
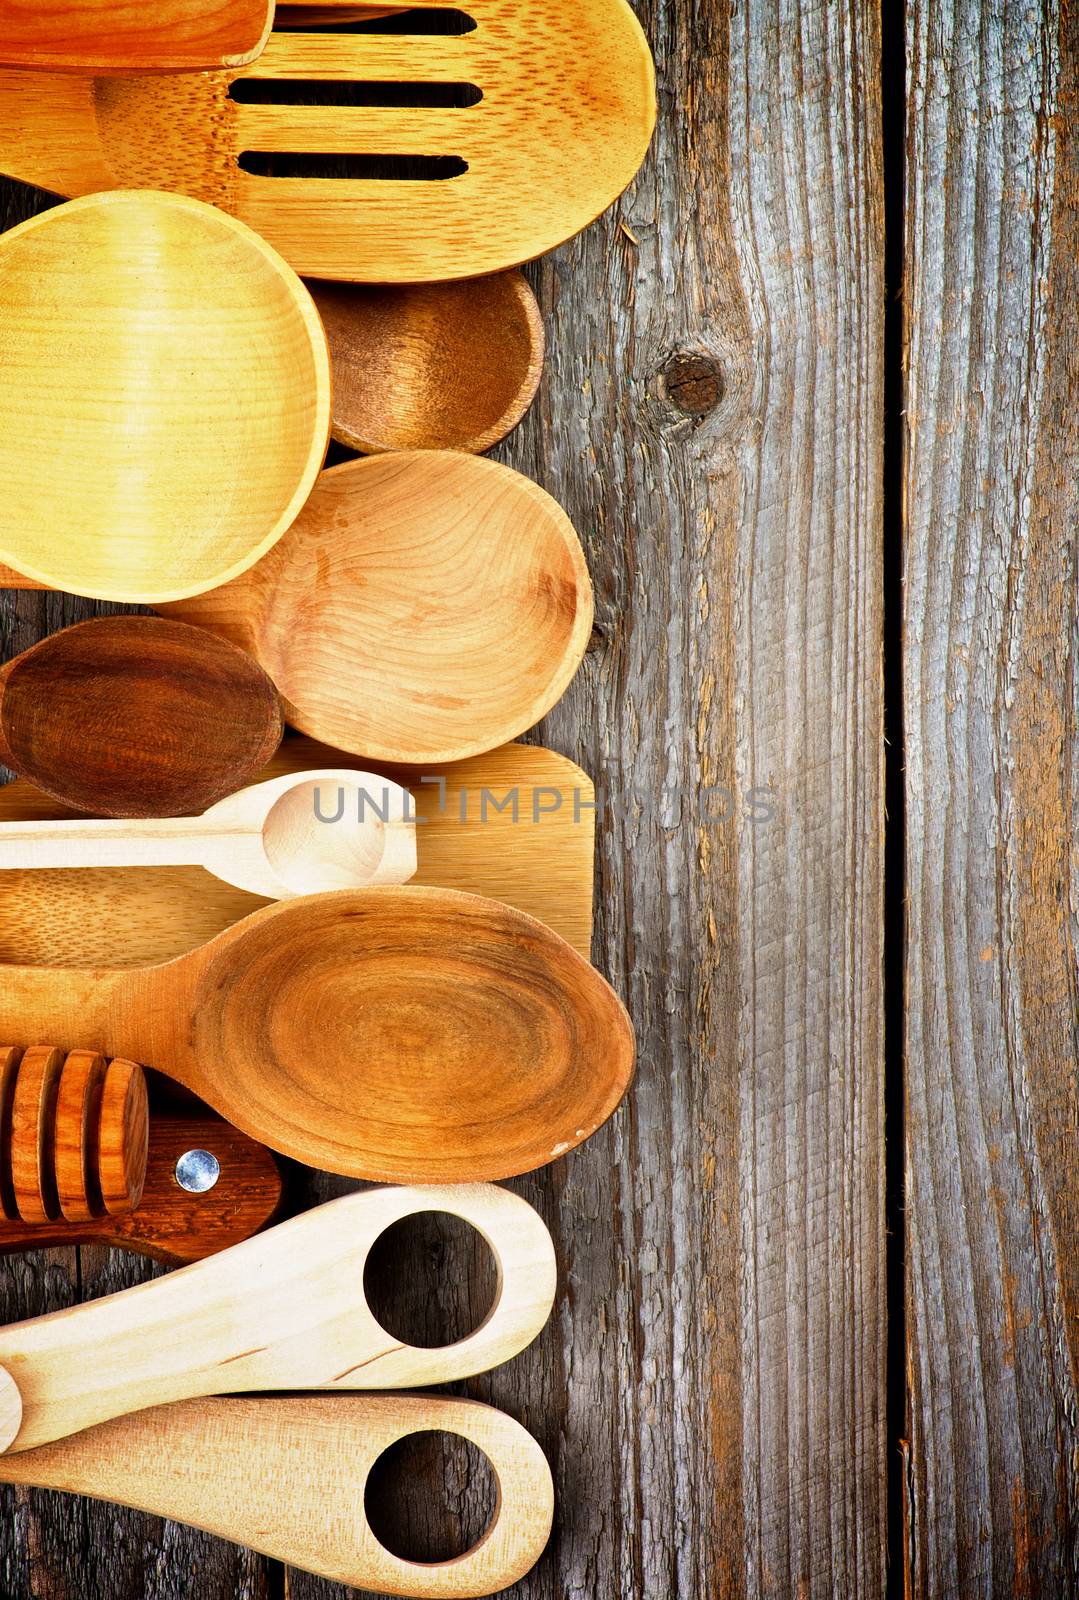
(164, 395)
(516, 824)
(565, 118)
(396, 1033)
(296, 835)
(285, 1310)
(131, 36)
(137, 717)
(424, 606)
(287, 1477)
(431, 366)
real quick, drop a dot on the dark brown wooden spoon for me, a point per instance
(431, 366)
(137, 717)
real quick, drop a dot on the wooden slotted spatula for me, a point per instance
(285, 1310)
(563, 118)
(122, 36)
(287, 1477)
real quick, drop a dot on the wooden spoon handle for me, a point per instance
(285, 1310)
(287, 1478)
(112, 842)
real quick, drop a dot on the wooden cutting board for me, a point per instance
(540, 861)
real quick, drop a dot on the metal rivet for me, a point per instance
(197, 1171)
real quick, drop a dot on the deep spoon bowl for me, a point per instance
(403, 1034)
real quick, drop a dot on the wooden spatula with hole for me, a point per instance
(130, 36)
(83, 1160)
(286, 1476)
(564, 118)
(137, 717)
(403, 1034)
(285, 1310)
(424, 606)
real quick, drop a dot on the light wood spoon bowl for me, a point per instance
(425, 606)
(431, 366)
(300, 834)
(137, 717)
(164, 396)
(286, 1477)
(402, 1034)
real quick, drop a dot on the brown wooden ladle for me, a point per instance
(137, 717)
(400, 1034)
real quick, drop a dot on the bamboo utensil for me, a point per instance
(137, 717)
(566, 111)
(129, 36)
(516, 824)
(396, 1033)
(164, 395)
(423, 607)
(431, 366)
(302, 834)
(287, 1477)
(285, 1310)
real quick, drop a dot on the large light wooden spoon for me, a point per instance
(300, 834)
(285, 1310)
(131, 36)
(164, 395)
(405, 1034)
(287, 1477)
(424, 606)
(137, 717)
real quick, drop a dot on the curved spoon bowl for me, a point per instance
(137, 717)
(164, 396)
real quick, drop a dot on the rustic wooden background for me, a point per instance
(812, 401)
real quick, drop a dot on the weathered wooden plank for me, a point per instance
(993, 783)
(710, 1391)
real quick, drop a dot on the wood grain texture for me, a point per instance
(993, 786)
(95, 36)
(710, 1389)
(137, 716)
(129, 470)
(568, 90)
(516, 825)
(431, 366)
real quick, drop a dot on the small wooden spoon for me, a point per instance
(401, 1034)
(300, 834)
(285, 1310)
(164, 395)
(137, 717)
(432, 366)
(117, 37)
(425, 606)
(286, 1476)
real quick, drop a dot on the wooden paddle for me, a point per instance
(565, 115)
(287, 1477)
(285, 1310)
(400, 1034)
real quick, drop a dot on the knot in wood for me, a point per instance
(692, 383)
